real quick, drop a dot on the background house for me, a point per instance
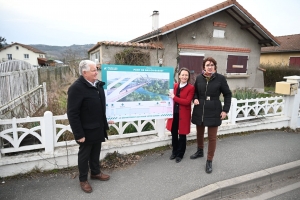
(287, 54)
(54, 63)
(104, 52)
(227, 32)
(18, 51)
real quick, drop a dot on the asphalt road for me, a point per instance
(156, 177)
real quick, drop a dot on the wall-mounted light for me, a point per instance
(194, 36)
(160, 61)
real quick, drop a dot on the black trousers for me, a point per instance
(179, 144)
(88, 157)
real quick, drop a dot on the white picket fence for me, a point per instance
(48, 130)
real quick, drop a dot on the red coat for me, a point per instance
(184, 101)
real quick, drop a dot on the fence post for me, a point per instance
(160, 127)
(291, 107)
(48, 132)
(233, 113)
(45, 94)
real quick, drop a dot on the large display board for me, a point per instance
(137, 92)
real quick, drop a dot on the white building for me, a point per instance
(17, 51)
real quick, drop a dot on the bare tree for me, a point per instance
(2, 42)
(72, 58)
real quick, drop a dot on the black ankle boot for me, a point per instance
(172, 157)
(208, 168)
(198, 154)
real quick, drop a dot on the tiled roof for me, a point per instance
(234, 9)
(24, 46)
(127, 44)
(288, 43)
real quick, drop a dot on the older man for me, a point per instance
(86, 114)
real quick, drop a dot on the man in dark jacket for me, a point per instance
(86, 114)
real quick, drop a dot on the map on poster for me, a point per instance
(137, 92)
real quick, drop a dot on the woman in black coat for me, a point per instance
(208, 110)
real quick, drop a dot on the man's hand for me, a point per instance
(110, 122)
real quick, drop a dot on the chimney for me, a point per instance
(155, 20)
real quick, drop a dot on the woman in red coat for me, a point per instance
(180, 124)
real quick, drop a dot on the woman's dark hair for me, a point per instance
(185, 69)
(211, 59)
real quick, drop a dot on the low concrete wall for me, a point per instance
(67, 156)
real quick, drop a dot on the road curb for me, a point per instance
(246, 182)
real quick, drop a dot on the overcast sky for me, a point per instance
(67, 22)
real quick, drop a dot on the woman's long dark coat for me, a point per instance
(208, 93)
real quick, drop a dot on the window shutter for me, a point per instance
(193, 63)
(294, 61)
(237, 64)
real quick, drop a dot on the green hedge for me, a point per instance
(275, 74)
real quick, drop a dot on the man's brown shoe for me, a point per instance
(101, 177)
(86, 187)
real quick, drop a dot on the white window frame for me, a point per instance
(218, 33)
(26, 56)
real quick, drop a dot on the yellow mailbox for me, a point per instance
(286, 88)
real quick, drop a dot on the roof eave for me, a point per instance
(165, 29)
(200, 18)
(281, 51)
(94, 47)
(270, 37)
(147, 36)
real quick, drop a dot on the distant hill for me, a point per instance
(56, 52)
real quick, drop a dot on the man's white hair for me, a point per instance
(84, 65)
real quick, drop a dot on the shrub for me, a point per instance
(131, 56)
(247, 93)
(275, 73)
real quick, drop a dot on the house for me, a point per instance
(104, 52)
(18, 51)
(226, 31)
(287, 54)
(54, 63)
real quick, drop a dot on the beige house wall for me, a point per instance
(277, 58)
(18, 54)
